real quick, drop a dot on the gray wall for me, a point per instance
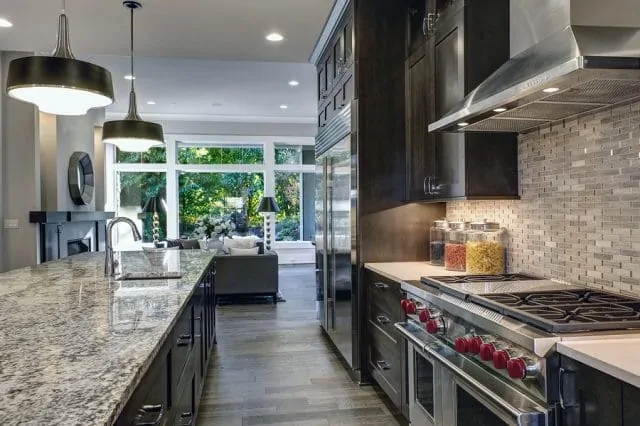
(20, 175)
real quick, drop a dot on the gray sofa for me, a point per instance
(255, 275)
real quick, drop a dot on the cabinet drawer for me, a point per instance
(382, 322)
(386, 369)
(185, 408)
(183, 342)
(386, 294)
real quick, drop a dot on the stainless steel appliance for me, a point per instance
(482, 348)
(336, 202)
(567, 58)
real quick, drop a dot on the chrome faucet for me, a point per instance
(109, 269)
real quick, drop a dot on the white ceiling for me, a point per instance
(188, 89)
(191, 54)
(205, 29)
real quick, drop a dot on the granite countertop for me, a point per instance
(407, 271)
(75, 344)
(617, 357)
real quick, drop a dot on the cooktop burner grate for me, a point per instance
(461, 279)
(567, 311)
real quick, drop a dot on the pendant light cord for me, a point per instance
(64, 6)
(131, 52)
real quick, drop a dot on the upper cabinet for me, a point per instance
(335, 73)
(464, 43)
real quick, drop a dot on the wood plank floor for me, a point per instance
(273, 367)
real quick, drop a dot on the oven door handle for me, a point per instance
(487, 396)
(402, 328)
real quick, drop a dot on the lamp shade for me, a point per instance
(155, 205)
(268, 205)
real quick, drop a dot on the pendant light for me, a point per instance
(132, 134)
(60, 84)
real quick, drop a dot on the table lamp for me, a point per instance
(155, 205)
(267, 206)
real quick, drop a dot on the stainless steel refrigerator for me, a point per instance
(336, 245)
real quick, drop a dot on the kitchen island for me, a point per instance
(77, 345)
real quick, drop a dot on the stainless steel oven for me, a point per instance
(447, 389)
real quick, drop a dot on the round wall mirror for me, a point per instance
(81, 178)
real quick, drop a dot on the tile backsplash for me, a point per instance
(579, 216)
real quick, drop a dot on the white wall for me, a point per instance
(238, 128)
(20, 175)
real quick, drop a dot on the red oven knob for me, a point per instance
(403, 304)
(411, 307)
(463, 344)
(518, 369)
(486, 351)
(500, 359)
(435, 326)
(474, 344)
(428, 314)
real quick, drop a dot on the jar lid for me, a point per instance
(441, 223)
(458, 225)
(457, 235)
(485, 226)
(477, 226)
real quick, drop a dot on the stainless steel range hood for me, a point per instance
(568, 57)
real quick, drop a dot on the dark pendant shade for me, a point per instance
(155, 205)
(268, 205)
(60, 84)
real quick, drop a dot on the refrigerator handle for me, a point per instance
(333, 249)
(325, 234)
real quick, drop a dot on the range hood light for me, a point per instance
(498, 110)
(550, 90)
(463, 124)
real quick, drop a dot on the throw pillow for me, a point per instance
(189, 244)
(244, 252)
(241, 242)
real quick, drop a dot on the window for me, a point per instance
(133, 191)
(295, 194)
(235, 196)
(294, 154)
(153, 156)
(221, 154)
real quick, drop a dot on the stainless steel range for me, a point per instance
(482, 348)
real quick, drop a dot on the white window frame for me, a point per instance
(173, 169)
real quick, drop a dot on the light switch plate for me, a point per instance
(11, 224)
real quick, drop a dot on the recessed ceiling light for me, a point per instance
(284, 106)
(129, 77)
(294, 83)
(550, 90)
(463, 124)
(499, 110)
(216, 104)
(5, 23)
(151, 102)
(274, 37)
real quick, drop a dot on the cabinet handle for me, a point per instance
(425, 186)
(431, 22)
(564, 372)
(381, 286)
(383, 365)
(149, 415)
(383, 320)
(184, 340)
(425, 26)
(186, 419)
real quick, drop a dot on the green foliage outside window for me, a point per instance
(244, 154)
(153, 156)
(288, 199)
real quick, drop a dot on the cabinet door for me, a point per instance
(449, 90)
(420, 145)
(328, 66)
(348, 41)
(416, 25)
(591, 397)
(322, 82)
(337, 57)
(631, 405)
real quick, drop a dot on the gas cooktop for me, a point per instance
(566, 311)
(454, 279)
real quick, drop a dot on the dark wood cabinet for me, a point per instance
(420, 110)
(385, 353)
(170, 390)
(336, 86)
(630, 405)
(471, 41)
(591, 398)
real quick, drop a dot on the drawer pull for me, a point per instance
(184, 340)
(383, 320)
(149, 415)
(383, 365)
(185, 419)
(381, 286)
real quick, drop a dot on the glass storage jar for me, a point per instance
(455, 249)
(485, 249)
(436, 242)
